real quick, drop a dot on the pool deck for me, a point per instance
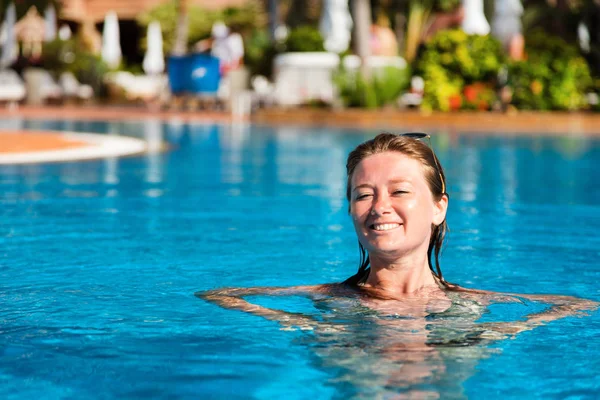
(474, 123)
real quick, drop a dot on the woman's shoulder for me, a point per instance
(327, 289)
(481, 296)
(330, 289)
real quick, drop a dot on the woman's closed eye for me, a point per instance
(399, 192)
(363, 196)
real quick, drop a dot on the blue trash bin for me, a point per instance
(194, 74)
(178, 68)
(204, 74)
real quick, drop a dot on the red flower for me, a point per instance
(455, 101)
(470, 93)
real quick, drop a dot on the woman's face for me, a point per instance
(392, 206)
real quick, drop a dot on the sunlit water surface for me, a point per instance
(100, 261)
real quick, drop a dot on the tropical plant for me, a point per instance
(418, 22)
(554, 76)
(382, 89)
(260, 52)
(244, 19)
(199, 22)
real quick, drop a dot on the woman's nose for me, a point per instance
(381, 205)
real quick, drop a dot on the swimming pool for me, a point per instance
(100, 261)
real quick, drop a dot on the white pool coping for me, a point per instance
(98, 146)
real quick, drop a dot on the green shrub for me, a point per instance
(528, 82)
(71, 56)
(90, 69)
(441, 89)
(260, 52)
(304, 39)
(554, 76)
(453, 59)
(381, 90)
(473, 57)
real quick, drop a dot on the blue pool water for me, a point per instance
(100, 260)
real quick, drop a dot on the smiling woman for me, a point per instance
(398, 202)
(395, 183)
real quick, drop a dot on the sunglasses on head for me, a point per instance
(421, 135)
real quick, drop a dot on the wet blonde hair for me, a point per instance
(434, 176)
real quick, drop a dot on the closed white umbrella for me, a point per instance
(111, 42)
(50, 23)
(474, 21)
(154, 61)
(9, 45)
(336, 25)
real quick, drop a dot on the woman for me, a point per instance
(397, 201)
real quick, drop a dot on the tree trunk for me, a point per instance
(361, 9)
(181, 32)
(273, 18)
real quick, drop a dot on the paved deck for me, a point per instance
(111, 113)
(28, 144)
(475, 123)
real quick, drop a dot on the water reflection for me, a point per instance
(234, 139)
(315, 161)
(469, 166)
(111, 171)
(153, 134)
(508, 170)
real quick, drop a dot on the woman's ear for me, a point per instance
(440, 208)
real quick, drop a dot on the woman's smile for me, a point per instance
(384, 226)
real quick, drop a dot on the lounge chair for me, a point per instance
(41, 86)
(262, 92)
(12, 88)
(146, 88)
(74, 90)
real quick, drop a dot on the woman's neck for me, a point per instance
(401, 276)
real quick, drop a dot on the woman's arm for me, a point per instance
(233, 298)
(560, 307)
